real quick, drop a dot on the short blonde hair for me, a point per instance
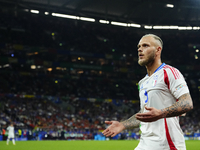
(157, 38)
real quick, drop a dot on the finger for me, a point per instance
(148, 108)
(108, 134)
(108, 122)
(114, 134)
(146, 120)
(144, 114)
(105, 131)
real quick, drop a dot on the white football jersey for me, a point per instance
(10, 132)
(161, 90)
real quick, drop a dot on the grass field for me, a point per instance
(82, 145)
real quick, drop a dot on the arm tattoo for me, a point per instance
(131, 123)
(183, 105)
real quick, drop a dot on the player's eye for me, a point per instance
(145, 45)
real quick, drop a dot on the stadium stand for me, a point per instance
(61, 79)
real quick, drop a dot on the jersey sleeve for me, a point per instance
(176, 82)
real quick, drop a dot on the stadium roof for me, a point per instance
(145, 12)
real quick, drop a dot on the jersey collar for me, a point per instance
(160, 67)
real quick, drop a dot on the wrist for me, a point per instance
(123, 125)
(163, 114)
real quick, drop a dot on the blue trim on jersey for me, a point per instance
(160, 67)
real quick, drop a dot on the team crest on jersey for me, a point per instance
(155, 78)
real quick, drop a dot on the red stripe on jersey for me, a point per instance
(174, 71)
(169, 140)
(166, 79)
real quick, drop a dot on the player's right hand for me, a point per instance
(114, 128)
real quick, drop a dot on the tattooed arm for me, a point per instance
(131, 123)
(117, 127)
(183, 105)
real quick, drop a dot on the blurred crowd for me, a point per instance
(68, 101)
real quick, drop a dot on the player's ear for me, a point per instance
(158, 50)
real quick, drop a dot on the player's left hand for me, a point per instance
(153, 114)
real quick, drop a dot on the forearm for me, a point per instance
(183, 105)
(131, 123)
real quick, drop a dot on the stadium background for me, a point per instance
(62, 76)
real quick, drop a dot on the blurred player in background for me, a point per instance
(164, 96)
(11, 134)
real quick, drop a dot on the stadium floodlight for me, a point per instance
(119, 23)
(33, 66)
(196, 28)
(46, 13)
(182, 28)
(104, 21)
(148, 27)
(185, 28)
(64, 16)
(134, 25)
(165, 27)
(189, 28)
(157, 27)
(34, 11)
(170, 5)
(6, 65)
(87, 19)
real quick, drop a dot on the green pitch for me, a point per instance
(82, 145)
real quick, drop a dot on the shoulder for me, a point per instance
(172, 72)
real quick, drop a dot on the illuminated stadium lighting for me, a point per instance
(170, 5)
(104, 21)
(46, 13)
(173, 27)
(87, 19)
(184, 28)
(157, 27)
(33, 67)
(65, 16)
(165, 27)
(197, 50)
(34, 11)
(80, 72)
(49, 69)
(196, 28)
(188, 28)
(6, 65)
(119, 23)
(134, 25)
(148, 27)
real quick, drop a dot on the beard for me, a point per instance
(149, 60)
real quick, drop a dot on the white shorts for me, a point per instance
(11, 136)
